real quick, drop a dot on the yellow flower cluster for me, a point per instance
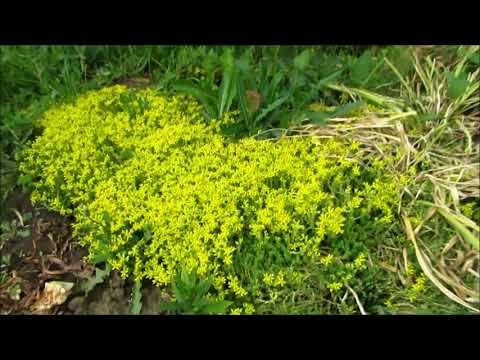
(417, 288)
(277, 280)
(359, 262)
(158, 189)
(419, 285)
(410, 270)
(327, 260)
(236, 311)
(334, 286)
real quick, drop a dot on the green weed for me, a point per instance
(191, 297)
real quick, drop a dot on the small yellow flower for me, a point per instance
(410, 270)
(359, 262)
(334, 286)
(468, 209)
(227, 259)
(327, 260)
(354, 146)
(389, 304)
(236, 311)
(279, 280)
(268, 278)
(249, 308)
(344, 98)
(419, 285)
(356, 170)
(412, 171)
(355, 202)
(235, 286)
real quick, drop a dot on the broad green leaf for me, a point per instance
(328, 79)
(456, 84)
(100, 257)
(100, 276)
(190, 280)
(321, 118)
(180, 291)
(217, 308)
(270, 108)
(168, 307)
(200, 302)
(25, 180)
(302, 60)
(103, 254)
(203, 287)
(317, 117)
(362, 68)
(375, 69)
(345, 109)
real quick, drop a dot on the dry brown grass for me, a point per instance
(442, 160)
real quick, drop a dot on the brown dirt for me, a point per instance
(50, 253)
(112, 298)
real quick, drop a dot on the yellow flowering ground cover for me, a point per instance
(155, 189)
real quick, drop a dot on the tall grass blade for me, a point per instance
(270, 108)
(227, 88)
(428, 271)
(137, 298)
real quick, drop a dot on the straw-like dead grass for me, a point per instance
(434, 133)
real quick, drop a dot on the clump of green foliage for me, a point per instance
(191, 296)
(155, 190)
(271, 86)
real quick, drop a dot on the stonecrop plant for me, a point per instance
(155, 190)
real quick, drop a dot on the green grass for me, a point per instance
(35, 77)
(426, 98)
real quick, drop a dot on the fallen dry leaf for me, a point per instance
(54, 293)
